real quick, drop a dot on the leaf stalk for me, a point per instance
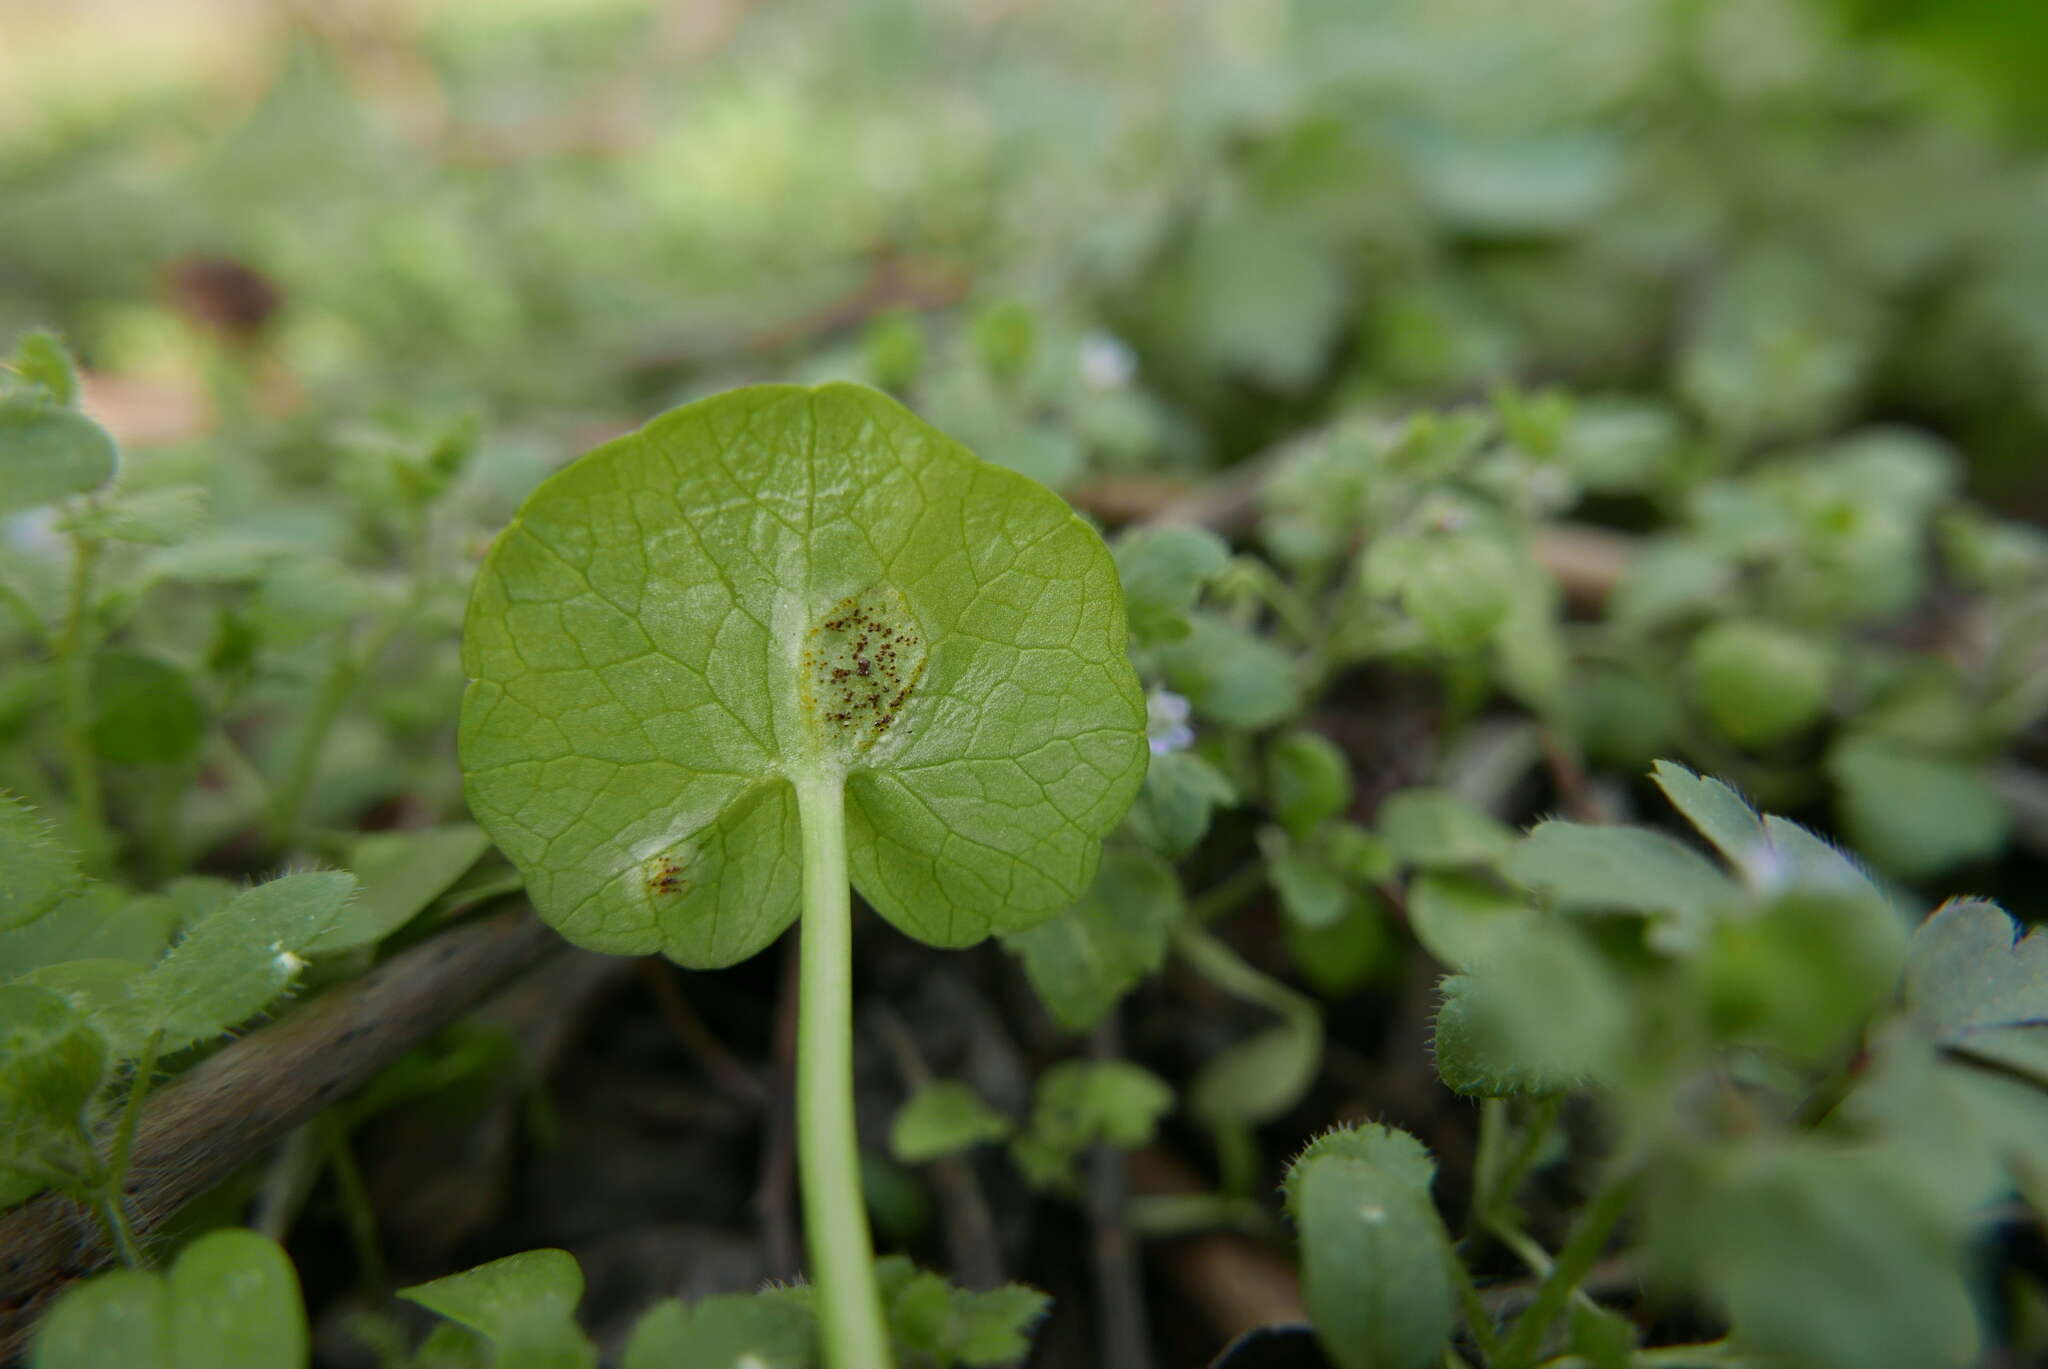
(828, 1148)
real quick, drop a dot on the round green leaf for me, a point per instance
(1916, 815)
(944, 1117)
(235, 1304)
(1375, 1264)
(230, 1302)
(48, 454)
(36, 872)
(119, 1318)
(1308, 779)
(56, 1062)
(779, 582)
(1758, 683)
(1084, 961)
(145, 711)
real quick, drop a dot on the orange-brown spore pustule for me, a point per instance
(665, 875)
(861, 663)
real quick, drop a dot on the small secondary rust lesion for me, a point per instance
(665, 875)
(861, 664)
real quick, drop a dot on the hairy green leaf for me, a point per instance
(109, 993)
(1915, 816)
(1620, 870)
(145, 710)
(1179, 797)
(1383, 1147)
(36, 870)
(48, 453)
(1457, 586)
(1757, 682)
(1457, 917)
(1803, 973)
(1824, 1255)
(525, 1303)
(44, 361)
(1263, 1075)
(1163, 570)
(1540, 1013)
(161, 517)
(934, 1323)
(401, 873)
(1081, 1102)
(1719, 813)
(1979, 987)
(1434, 828)
(1230, 675)
(1312, 892)
(1308, 779)
(1086, 959)
(99, 922)
(56, 1062)
(236, 962)
(1376, 1262)
(736, 1331)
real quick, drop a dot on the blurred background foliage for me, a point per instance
(1765, 280)
(1776, 217)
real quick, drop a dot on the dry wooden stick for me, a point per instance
(224, 1112)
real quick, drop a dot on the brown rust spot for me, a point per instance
(861, 664)
(666, 875)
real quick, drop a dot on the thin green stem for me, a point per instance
(828, 1147)
(1290, 607)
(1216, 962)
(1574, 1263)
(1486, 1158)
(358, 1210)
(1227, 896)
(342, 673)
(114, 1215)
(110, 1198)
(1523, 1247)
(131, 1111)
(1696, 1356)
(347, 670)
(74, 651)
(1535, 1135)
(18, 604)
(1478, 1321)
(1237, 1156)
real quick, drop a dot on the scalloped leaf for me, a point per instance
(779, 582)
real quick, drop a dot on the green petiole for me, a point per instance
(828, 1148)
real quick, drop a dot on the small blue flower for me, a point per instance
(1166, 722)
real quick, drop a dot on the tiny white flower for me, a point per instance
(35, 533)
(1107, 362)
(1166, 722)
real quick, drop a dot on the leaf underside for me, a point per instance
(782, 581)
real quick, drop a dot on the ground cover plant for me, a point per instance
(925, 685)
